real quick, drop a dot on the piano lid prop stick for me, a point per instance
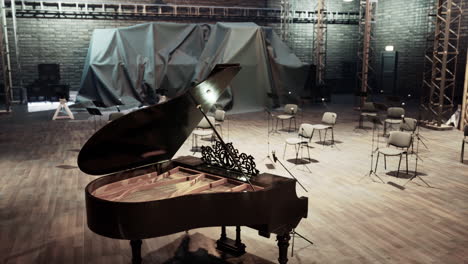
(221, 140)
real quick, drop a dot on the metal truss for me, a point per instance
(286, 17)
(320, 41)
(441, 60)
(93, 10)
(367, 21)
(5, 53)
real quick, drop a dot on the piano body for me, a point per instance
(145, 194)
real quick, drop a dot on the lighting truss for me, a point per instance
(366, 54)
(320, 40)
(286, 17)
(441, 60)
(5, 53)
(95, 10)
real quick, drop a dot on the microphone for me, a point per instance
(274, 156)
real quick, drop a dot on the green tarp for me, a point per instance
(173, 56)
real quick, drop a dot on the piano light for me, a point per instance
(209, 94)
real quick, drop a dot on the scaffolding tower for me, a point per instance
(367, 22)
(441, 61)
(286, 17)
(320, 41)
(5, 53)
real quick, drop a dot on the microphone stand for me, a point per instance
(297, 153)
(371, 171)
(269, 115)
(416, 155)
(275, 159)
(293, 232)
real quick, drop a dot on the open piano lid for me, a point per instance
(155, 133)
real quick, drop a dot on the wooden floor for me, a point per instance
(352, 218)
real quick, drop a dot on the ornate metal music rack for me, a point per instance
(218, 156)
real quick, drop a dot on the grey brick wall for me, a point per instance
(66, 41)
(341, 43)
(404, 24)
(63, 41)
(399, 22)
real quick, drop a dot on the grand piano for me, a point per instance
(145, 193)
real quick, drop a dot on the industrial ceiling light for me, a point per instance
(347, 0)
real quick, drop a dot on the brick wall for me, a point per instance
(341, 43)
(399, 22)
(66, 41)
(403, 24)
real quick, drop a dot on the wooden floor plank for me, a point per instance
(352, 217)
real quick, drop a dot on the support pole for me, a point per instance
(464, 113)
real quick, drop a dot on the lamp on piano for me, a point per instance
(210, 94)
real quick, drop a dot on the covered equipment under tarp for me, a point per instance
(129, 65)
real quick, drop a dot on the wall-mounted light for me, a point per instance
(347, 0)
(389, 48)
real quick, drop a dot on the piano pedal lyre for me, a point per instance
(233, 247)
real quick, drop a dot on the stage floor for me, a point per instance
(352, 218)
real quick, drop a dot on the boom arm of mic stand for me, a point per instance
(274, 157)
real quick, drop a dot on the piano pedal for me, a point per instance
(229, 246)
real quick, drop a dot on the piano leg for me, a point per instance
(136, 251)
(283, 243)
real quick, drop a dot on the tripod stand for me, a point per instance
(417, 157)
(375, 121)
(269, 115)
(294, 233)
